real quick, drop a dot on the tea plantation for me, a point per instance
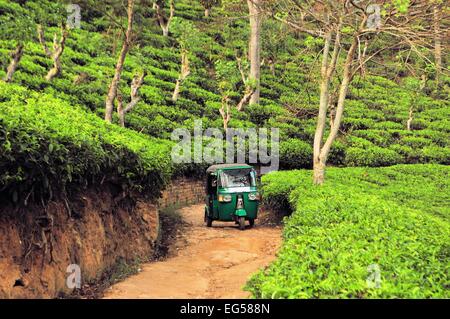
(374, 128)
(378, 227)
(47, 144)
(366, 233)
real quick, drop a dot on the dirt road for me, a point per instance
(210, 263)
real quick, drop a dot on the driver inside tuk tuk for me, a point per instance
(214, 183)
(237, 178)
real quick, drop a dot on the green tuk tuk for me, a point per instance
(231, 194)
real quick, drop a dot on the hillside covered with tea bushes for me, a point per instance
(391, 220)
(373, 132)
(378, 227)
(48, 144)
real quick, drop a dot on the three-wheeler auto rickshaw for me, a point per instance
(231, 194)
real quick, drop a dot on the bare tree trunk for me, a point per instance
(318, 165)
(272, 66)
(423, 83)
(225, 112)
(320, 153)
(343, 89)
(437, 16)
(115, 40)
(319, 172)
(410, 118)
(58, 49)
(41, 37)
(16, 56)
(165, 30)
(207, 11)
(361, 57)
(248, 89)
(176, 92)
(112, 93)
(255, 47)
(134, 95)
(120, 110)
(244, 100)
(164, 23)
(185, 71)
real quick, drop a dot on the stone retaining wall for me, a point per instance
(182, 192)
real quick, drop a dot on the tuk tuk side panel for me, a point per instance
(212, 206)
(215, 209)
(251, 207)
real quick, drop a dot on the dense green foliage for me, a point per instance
(373, 132)
(396, 218)
(53, 139)
(46, 145)
(377, 109)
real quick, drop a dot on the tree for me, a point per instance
(15, 24)
(127, 41)
(437, 20)
(250, 85)
(136, 84)
(189, 40)
(255, 17)
(208, 5)
(16, 56)
(346, 27)
(58, 49)
(229, 74)
(416, 87)
(247, 45)
(273, 42)
(225, 74)
(163, 21)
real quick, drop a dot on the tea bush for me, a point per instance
(373, 131)
(295, 153)
(393, 219)
(47, 144)
(371, 156)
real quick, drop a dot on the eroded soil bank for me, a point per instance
(96, 232)
(205, 263)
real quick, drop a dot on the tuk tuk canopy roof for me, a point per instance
(214, 168)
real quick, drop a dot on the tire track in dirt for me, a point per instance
(210, 263)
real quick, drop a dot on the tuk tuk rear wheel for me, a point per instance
(242, 223)
(208, 220)
(251, 222)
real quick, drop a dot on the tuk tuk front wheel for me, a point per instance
(251, 222)
(242, 223)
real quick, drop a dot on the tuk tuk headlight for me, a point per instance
(224, 198)
(253, 196)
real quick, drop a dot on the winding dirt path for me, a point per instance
(211, 262)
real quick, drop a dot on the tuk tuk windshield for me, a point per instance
(244, 177)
